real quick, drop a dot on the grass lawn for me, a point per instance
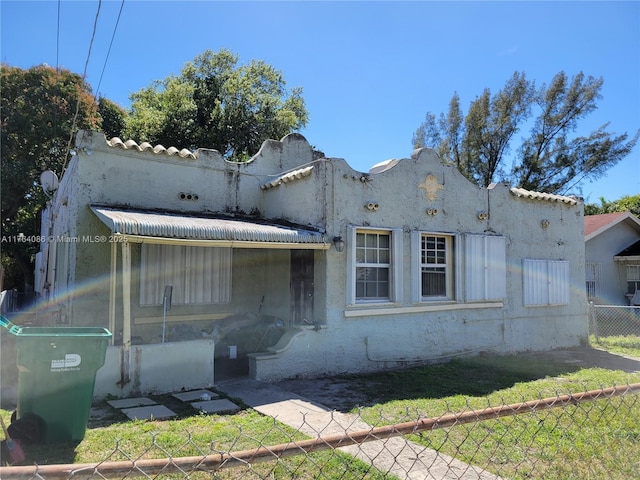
(598, 439)
(624, 345)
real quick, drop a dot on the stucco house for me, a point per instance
(612, 253)
(290, 265)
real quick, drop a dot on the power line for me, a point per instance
(84, 76)
(109, 51)
(58, 39)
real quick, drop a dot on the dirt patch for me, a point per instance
(336, 394)
(585, 357)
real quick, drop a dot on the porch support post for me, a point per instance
(126, 294)
(125, 360)
(112, 290)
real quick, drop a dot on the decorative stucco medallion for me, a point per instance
(431, 187)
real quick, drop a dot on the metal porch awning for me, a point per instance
(146, 226)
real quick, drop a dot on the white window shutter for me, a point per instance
(416, 270)
(558, 282)
(485, 268)
(397, 264)
(535, 283)
(198, 275)
(350, 266)
(176, 269)
(496, 268)
(546, 282)
(150, 269)
(475, 266)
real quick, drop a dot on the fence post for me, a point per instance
(593, 319)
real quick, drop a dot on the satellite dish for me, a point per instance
(384, 166)
(49, 181)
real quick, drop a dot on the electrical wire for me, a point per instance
(58, 40)
(84, 76)
(109, 51)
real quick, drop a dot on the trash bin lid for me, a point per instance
(61, 332)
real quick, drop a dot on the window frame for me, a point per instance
(632, 278)
(448, 266)
(394, 265)
(593, 273)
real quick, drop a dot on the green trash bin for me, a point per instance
(56, 376)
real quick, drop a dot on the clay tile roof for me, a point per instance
(145, 146)
(288, 177)
(549, 197)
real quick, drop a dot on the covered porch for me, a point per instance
(201, 294)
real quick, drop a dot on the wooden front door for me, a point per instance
(301, 287)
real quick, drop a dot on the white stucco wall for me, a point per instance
(419, 194)
(370, 337)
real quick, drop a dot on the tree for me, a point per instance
(215, 103)
(38, 106)
(627, 203)
(548, 159)
(113, 118)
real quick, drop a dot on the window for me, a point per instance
(633, 279)
(435, 266)
(373, 275)
(545, 282)
(373, 263)
(469, 268)
(198, 275)
(592, 274)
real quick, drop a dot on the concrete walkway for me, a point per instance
(396, 456)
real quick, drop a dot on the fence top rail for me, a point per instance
(626, 307)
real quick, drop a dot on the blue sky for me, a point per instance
(370, 70)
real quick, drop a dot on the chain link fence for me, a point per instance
(588, 435)
(614, 321)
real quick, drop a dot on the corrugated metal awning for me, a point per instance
(154, 227)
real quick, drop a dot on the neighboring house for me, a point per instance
(612, 256)
(289, 265)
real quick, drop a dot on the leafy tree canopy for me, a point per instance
(113, 117)
(216, 103)
(550, 158)
(628, 203)
(38, 107)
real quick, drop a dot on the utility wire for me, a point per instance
(84, 76)
(109, 51)
(54, 134)
(58, 39)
